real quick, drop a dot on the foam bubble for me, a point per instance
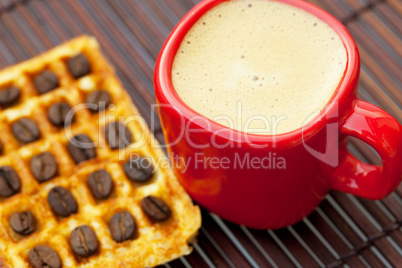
(276, 59)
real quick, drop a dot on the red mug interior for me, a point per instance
(343, 91)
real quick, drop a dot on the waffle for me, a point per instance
(154, 242)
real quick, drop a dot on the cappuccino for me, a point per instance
(261, 67)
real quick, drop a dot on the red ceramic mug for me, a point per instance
(316, 159)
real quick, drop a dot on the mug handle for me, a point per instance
(382, 132)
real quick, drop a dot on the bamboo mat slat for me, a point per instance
(344, 231)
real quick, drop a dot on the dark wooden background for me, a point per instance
(344, 230)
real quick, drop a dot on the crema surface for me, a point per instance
(261, 67)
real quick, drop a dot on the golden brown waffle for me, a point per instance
(155, 242)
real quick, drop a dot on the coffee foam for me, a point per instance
(249, 64)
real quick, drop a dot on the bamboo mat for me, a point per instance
(344, 230)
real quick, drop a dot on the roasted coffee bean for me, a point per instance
(62, 201)
(58, 114)
(9, 96)
(43, 166)
(46, 81)
(78, 66)
(42, 256)
(155, 208)
(118, 135)
(138, 169)
(122, 226)
(83, 241)
(98, 100)
(100, 183)
(81, 148)
(25, 130)
(9, 181)
(23, 223)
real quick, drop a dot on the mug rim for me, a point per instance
(166, 94)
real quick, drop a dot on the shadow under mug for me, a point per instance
(274, 195)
